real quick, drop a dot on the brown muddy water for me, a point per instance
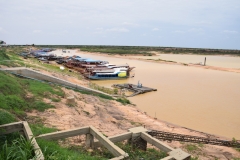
(201, 99)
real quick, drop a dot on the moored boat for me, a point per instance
(109, 74)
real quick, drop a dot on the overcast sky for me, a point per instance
(176, 23)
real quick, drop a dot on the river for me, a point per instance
(201, 99)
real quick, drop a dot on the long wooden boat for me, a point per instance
(109, 74)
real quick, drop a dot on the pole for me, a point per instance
(205, 61)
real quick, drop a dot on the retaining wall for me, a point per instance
(27, 72)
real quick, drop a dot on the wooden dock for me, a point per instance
(136, 89)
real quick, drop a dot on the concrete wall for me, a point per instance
(41, 76)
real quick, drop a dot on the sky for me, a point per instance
(167, 23)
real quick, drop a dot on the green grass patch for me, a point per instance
(56, 99)
(41, 106)
(19, 148)
(10, 58)
(136, 154)
(19, 95)
(124, 101)
(9, 85)
(6, 117)
(115, 50)
(52, 151)
(95, 94)
(39, 128)
(41, 89)
(103, 89)
(191, 147)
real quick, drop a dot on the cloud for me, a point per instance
(37, 31)
(196, 30)
(117, 30)
(231, 32)
(203, 23)
(178, 31)
(130, 24)
(155, 29)
(189, 31)
(107, 18)
(2, 30)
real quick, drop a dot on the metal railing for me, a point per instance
(167, 136)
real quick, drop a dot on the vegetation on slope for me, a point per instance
(19, 95)
(8, 57)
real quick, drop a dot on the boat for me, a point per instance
(109, 74)
(107, 67)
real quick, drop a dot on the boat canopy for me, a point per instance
(92, 60)
(80, 59)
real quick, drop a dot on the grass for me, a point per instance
(14, 94)
(39, 128)
(6, 117)
(124, 101)
(41, 106)
(8, 57)
(56, 99)
(52, 68)
(41, 89)
(95, 94)
(103, 89)
(52, 151)
(19, 148)
(191, 148)
(115, 50)
(136, 154)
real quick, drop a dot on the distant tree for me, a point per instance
(33, 44)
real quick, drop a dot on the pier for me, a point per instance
(136, 89)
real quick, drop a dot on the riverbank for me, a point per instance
(111, 117)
